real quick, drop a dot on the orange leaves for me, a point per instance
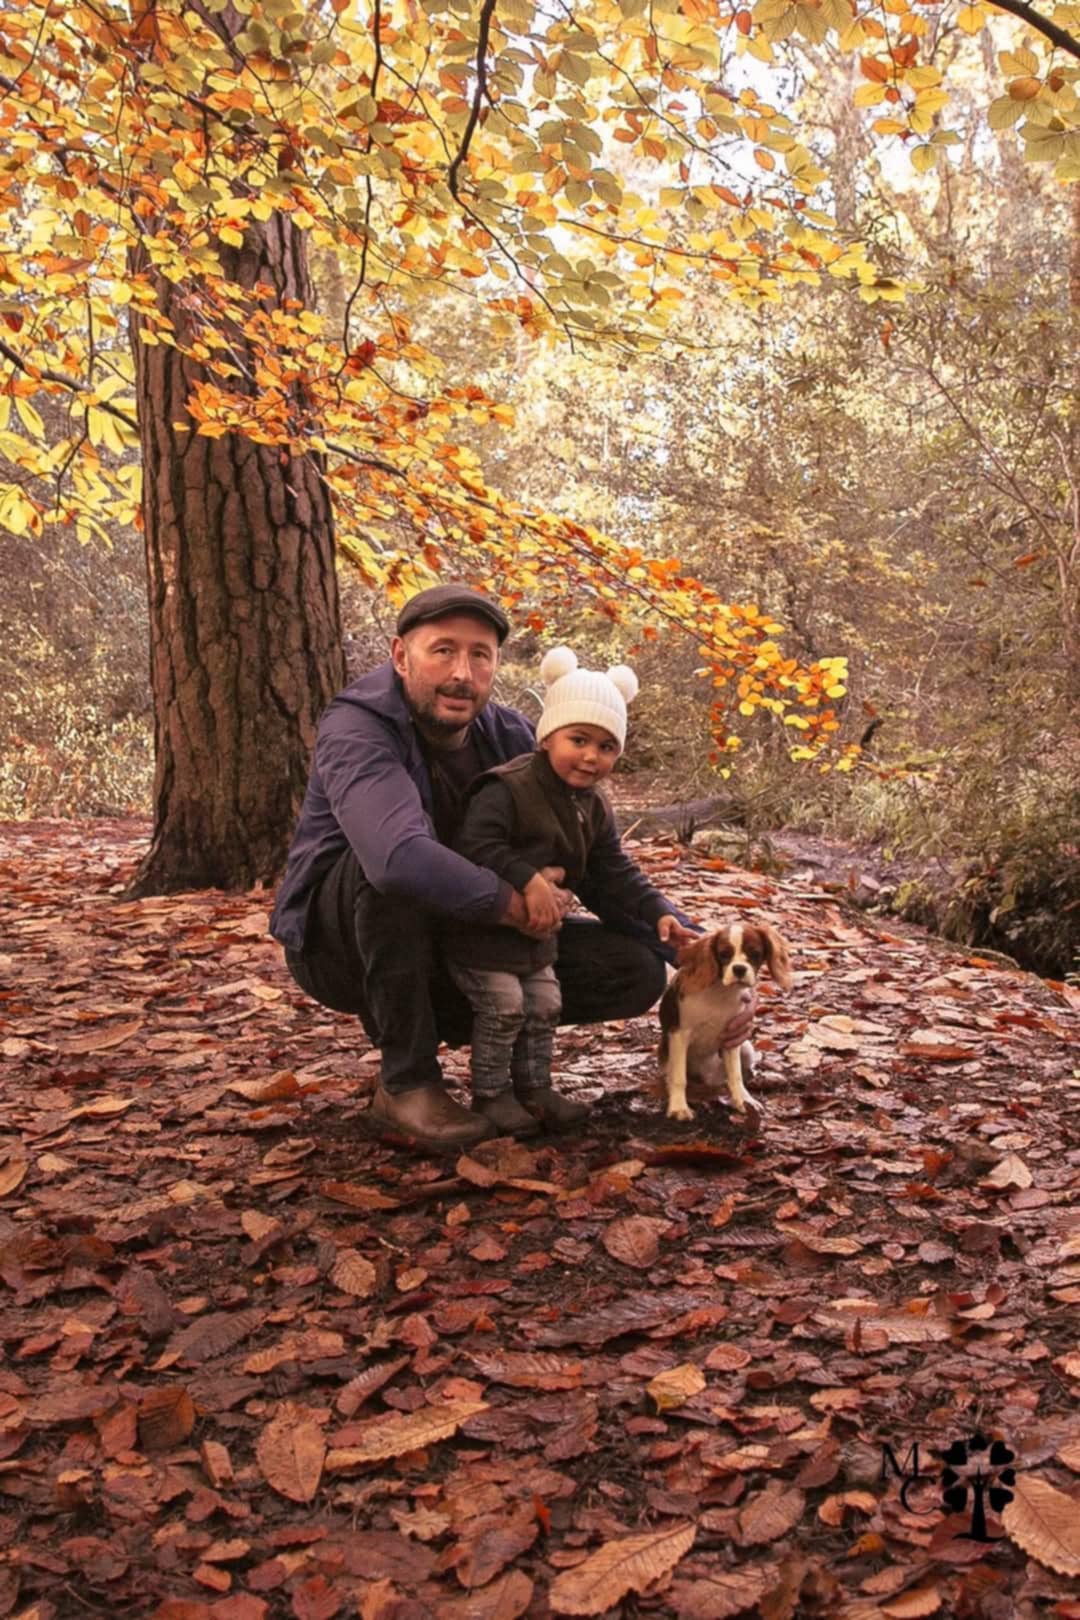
(1045, 1522)
(634, 1240)
(397, 1433)
(353, 1274)
(166, 1417)
(530, 1369)
(533, 1424)
(878, 72)
(675, 1386)
(628, 1564)
(290, 1453)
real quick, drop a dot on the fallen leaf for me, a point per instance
(1011, 1172)
(398, 1432)
(217, 1462)
(1045, 1522)
(166, 1417)
(316, 1599)
(726, 1358)
(353, 1274)
(634, 1240)
(819, 1242)
(526, 1369)
(213, 1335)
(676, 1386)
(290, 1452)
(71, 1405)
(317, 1344)
(936, 1046)
(12, 1175)
(102, 1107)
(259, 1226)
(486, 1552)
(770, 1514)
(270, 1088)
(357, 1390)
(504, 1599)
(101, 1040)
(914, 1604)
(834, 1509)
(900, 1326)
(349, 1192)
(719, 1594)
(629, 1564)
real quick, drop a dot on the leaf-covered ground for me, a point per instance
(256, 1363)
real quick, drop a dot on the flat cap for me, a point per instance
(439, 601)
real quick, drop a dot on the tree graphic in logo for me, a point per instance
(981, 1467)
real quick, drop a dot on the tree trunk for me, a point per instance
(245, 636)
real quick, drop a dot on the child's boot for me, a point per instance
(554, 1111)
(504, 1112)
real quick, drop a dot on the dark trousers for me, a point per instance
(377, 956)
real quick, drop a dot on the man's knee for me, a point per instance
(607, 975)
(650, 981)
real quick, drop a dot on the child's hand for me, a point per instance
(542, 904)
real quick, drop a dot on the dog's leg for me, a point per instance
(739, 1062)
(675, 1076)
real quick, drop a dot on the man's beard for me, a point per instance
(424, 712)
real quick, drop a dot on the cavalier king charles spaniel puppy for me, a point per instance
(701, 1001)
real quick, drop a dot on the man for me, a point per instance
(369, 873)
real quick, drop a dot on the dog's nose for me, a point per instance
(738, 970)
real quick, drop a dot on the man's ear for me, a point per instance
(697, 965)
(397, 654)
(776, 954)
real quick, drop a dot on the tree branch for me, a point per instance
(65, 382)
(1050, 30)
(481, 84)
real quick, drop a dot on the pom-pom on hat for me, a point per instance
(577, 697)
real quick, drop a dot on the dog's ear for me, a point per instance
(697, 965)
(776, 954)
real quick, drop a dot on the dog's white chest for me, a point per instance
(705, 1015)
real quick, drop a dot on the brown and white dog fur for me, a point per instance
(700, 1003)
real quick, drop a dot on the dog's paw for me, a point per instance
(749, 1104)
(680, 1113)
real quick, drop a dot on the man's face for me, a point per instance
(447, 667)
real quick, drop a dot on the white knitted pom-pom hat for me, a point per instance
(576, 697)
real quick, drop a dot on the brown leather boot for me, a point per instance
(429, 1115)
(554, 1111)
(506, 1115)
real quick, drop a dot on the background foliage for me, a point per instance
(894, 480)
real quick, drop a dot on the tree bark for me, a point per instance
(245, 635)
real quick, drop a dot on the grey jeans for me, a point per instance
(514, 1021)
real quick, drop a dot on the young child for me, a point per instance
(545, 810)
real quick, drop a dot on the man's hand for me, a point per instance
(672, 932)
(542, 908)
(743, 1022)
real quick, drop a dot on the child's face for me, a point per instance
(582, 755)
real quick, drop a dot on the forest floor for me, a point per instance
(256, 1363)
